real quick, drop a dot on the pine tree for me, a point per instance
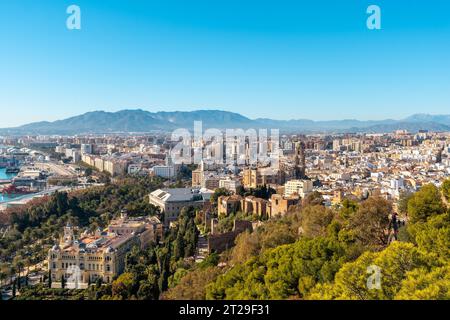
(179, 248)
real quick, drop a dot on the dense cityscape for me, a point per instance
(188, 217)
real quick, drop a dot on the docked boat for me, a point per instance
(15, 190)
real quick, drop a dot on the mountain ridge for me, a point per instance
(139, 120)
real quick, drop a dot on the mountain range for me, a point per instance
(140, 121)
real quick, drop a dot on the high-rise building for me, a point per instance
(164, 171)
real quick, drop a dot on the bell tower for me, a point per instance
(300, 161)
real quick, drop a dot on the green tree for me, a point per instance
(147, 291)
(348, 209)
(218, 193)
(420, 284)
(425, 203)
(371, 221)
(88, 172)
(433, 236)
(179, 246)
(122, 286)
(3, 276)
(446, 189)
(280, 273)
(405, 196)
(192, 286)
(315, 220)
(14, 289)
(99, 282)
(394, 263)
(49, 279)
(313, 199)
(18, 265)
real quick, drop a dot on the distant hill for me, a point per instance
(428, 118)
(139, 121)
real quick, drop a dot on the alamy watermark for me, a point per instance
(374, 280)
(374, 20)
(73, 22)
(226, 146)
(74, 279)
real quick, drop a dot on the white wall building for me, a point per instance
(164, 171)
(300, 187)
(86, 149)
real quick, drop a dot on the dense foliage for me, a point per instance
(312, 252)
(33, 228)
(336, 252)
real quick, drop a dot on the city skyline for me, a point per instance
(286, 61)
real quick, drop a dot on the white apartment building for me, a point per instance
(74, 154)
(164, 171)
(300, 187)
(229, 184)
(86, 149)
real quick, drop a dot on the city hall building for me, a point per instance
(101, 254)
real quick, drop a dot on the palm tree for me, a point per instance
(11, 274)
(28, 264)
(19, 264)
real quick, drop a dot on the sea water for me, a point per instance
(6, 176)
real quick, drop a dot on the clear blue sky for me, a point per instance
(279, 59)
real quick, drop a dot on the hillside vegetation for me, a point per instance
(320, 253)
